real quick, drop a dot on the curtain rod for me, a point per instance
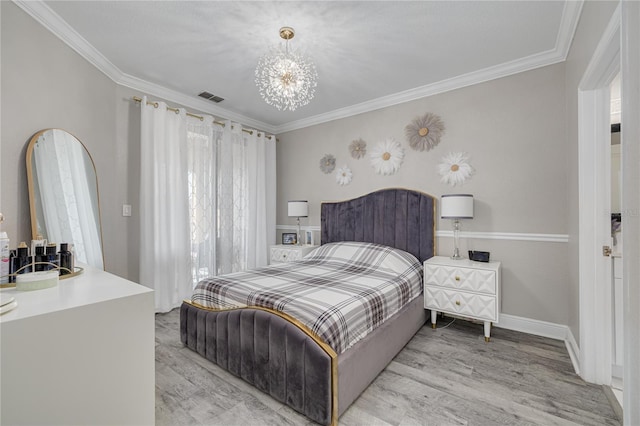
(201, 118)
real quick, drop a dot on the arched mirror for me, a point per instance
(63, 194)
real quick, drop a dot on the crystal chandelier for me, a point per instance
(286, 79)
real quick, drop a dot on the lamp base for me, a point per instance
(456, 254)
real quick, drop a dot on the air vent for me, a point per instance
(211, 97)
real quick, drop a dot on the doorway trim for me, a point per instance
(594, 269)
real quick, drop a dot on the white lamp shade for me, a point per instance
(456, 206)
(298, 208)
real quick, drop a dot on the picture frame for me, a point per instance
(289, 238)
(308, 238)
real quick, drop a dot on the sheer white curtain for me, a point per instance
(203, 138)
(242, 181)
(216, 188)
(164, 206)
(68, 211)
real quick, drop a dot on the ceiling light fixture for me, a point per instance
(286, 79)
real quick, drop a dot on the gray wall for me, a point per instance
(593, 21)
(515, 132)
(46, 84)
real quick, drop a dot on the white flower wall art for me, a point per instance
(423, 133)
(454, 168)
(387, 156)
(344, 176)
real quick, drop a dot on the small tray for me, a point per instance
(77, 270)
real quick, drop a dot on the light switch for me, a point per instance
(126, 210)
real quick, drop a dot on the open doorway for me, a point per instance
(617, 353)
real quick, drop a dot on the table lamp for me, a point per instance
(456, 207)
(298, 209)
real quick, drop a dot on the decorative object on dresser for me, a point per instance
(454, 168)
(423, 133)
(63, 194)
(288, 253)
(464, 288)
(456, 207)
(298, 209)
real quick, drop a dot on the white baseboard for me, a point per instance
(544, 329)
(532, 326)
(574, 350)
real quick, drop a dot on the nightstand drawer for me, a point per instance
(286, 253)
(458, 302)
(477, 280)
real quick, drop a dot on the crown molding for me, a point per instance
(192, 102)
(44, 15)
(54, 23)
(487, 74)
(568, 24)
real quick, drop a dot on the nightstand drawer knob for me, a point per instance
(458, 302)
(457, 278)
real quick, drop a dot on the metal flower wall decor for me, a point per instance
(327, 163)
(423, 133)
(358, 148)
(344, 175)
(455, 169)
(387, 156)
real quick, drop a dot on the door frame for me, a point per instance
(594, 177)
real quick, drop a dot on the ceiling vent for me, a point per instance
(211, 97)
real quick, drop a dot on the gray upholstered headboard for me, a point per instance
(398, 218)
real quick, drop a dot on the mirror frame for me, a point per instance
(31, 184)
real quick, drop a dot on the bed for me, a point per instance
(288, 359)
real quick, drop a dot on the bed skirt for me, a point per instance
(282, 358)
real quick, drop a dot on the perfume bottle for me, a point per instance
(39, 257)
(52, 256)
(21, 262)
(66, 259)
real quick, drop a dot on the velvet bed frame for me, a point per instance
(284, 359)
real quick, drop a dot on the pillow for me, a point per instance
(359, 254)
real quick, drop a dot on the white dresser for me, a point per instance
(82, 352)
(282, 253)
(464, 288)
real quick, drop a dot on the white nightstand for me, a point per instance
(463, 287)
(282, 253)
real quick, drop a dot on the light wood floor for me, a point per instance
(448, 376)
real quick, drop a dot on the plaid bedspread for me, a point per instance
(340, 291)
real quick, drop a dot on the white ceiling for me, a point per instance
(369, 54)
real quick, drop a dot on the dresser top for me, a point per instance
(462, 263)
(91, 286)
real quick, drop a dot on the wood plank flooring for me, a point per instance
(448, 376)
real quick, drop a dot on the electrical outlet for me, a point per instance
(126, 210)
